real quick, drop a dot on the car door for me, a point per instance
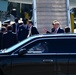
(72, 57)
(37, 61)
(62, 56)
(5, 64)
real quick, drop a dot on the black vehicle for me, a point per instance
(52, 54)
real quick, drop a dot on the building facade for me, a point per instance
(42, 12)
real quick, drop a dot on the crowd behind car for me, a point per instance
(11, 34)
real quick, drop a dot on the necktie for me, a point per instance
(55, 31)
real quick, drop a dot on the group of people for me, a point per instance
(12, 34)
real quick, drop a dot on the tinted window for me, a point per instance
(62, 45)
(38, 47)
(51, 46)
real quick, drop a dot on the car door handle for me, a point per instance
(47, 60)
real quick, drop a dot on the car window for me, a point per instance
(39, 46)
(62, 45)
(51, 46)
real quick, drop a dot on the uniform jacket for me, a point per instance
(9, 39)
(14, 27)
(22, 33)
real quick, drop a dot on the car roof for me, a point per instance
(54, 35)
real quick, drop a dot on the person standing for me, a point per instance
(15, 26)
(9, 38)
(56, 28)
(67, 29)
(32, 30)
(23, 31)
(3, 30)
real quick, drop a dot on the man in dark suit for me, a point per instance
(9, 38)
(56, 28)
(32, 30)
(15, 26)
(3, 30)
(67, 29)
(23, 31)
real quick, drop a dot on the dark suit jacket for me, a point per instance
(34, 31)
(22, 33)
(59, 30)
(9, 39)
(1, 40)
(14, 27)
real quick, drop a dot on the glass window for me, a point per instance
(10, 9)
(51, 46)
(62, 45)
(40, 47)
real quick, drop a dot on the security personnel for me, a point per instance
(23, 31)
(9, 38)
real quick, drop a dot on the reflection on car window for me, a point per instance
(35, 47)
(51, 46)
(39, 48)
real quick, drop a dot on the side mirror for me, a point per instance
(22, 52)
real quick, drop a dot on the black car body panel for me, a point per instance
(51, 54)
